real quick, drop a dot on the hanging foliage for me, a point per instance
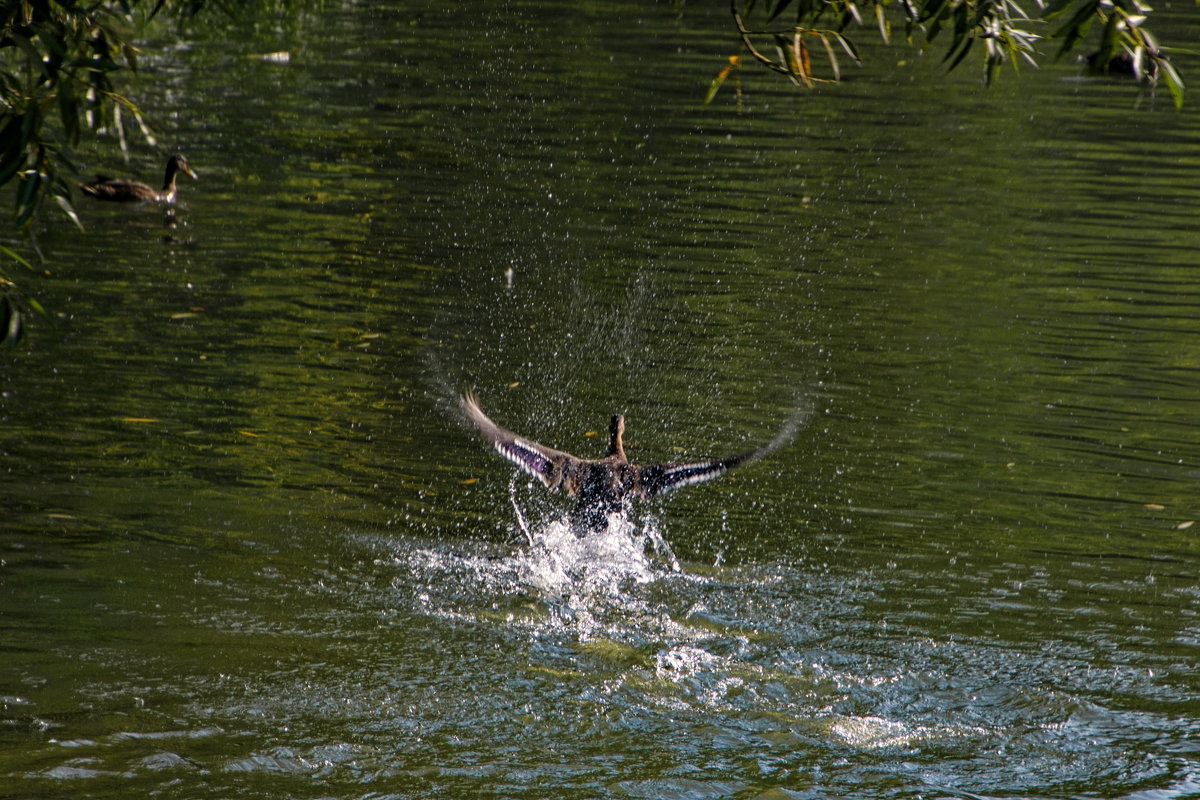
(1003, 31)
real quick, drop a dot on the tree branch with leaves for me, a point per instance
(1004, 31)
(57, 61)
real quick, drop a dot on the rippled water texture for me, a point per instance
(249, 548)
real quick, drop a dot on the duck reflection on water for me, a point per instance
(608, 485)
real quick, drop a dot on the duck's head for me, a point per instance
(177, 163)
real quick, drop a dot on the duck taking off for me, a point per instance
(606, 485)
(125, 190)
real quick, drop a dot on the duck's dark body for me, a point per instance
(125, 190)
(600, 486)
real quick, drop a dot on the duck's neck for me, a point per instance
(168, 190)
(616, 429)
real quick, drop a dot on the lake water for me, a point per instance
(249, 549)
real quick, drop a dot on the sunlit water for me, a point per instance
(249, 550)
(435, 671)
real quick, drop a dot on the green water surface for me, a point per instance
(249, 550)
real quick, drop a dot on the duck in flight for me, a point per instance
(125, 190)
(606, 485)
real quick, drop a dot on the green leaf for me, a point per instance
(32, 55)
(37, 308)
(935, 28)
(65, 204)
(147, 134)
(985, 9)
(11, 328)
(852, 11)
(989, 71)
(962, 53)
(932, 9)
(1056, 7)
(716, 84)
(833, 63)
(848, 46)
(16, 257)
(962, 25)
(1108, 41)
(27, 195)
(1174, 82)
(1076, 27)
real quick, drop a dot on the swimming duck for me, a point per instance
(604, 485)
(125, 190)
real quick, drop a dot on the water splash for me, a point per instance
(560, 561)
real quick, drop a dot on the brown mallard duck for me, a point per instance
(125, 190)
(604, 485)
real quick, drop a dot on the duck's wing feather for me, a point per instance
(118, 188)
(544, 463)
(658, 479)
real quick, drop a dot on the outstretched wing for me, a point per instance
(661, 478)
(543, 462)
(658, 479)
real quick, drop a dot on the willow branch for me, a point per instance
(745, 34)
